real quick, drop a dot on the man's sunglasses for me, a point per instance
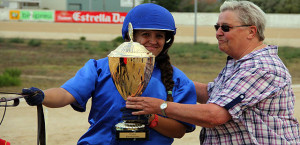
(226, 28)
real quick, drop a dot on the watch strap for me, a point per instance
(163, 110)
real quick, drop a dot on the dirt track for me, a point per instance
(97, 32)
(65, 126)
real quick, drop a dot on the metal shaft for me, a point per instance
(10, 93)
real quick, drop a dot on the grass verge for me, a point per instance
(49, 63)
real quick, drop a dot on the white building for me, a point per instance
(72, 5)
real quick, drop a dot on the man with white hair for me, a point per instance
(251, 101)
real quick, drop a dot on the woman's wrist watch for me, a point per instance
(163, 107)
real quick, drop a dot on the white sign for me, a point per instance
(28, 1)
(129, 3)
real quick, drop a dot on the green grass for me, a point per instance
(49, 63)
(10, 77)
(34, 42)
(16, 40)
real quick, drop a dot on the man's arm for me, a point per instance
(201, 91)
(205, 115)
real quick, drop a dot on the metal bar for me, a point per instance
(195, 25)
(10, 93)
(10, 99)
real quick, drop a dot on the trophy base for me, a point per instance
(131, 131)
(132, 135)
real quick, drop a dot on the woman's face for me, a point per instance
(153, 40)
(234, 41)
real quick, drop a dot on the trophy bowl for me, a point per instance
(131, 74)
(131, 66)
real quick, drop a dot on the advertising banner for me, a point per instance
(90, 17)
(14, 14)
(32, 15)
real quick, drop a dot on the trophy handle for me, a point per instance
(130, 32)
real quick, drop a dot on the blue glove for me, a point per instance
(127, 115)
(33, 96)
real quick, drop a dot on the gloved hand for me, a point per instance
(34, 96)
(127, 115)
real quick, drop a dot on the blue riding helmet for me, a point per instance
(149, 16)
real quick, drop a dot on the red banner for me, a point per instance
(90, 17)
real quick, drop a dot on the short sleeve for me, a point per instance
(82, 85)
(243, 90)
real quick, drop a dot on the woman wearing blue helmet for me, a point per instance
(155, 29)
(148, 19)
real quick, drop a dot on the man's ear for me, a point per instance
(252, 32)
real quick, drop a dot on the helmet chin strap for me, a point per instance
(168, 42)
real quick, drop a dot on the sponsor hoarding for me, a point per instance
(32, 15)
(90, 17)
(14, 14)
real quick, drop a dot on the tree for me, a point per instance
(278, 6)
(288, 6)
(171, 5)
(268, 6)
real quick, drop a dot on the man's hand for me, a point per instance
(127, 115)
(145, 105)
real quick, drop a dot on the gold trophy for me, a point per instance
(131, 66)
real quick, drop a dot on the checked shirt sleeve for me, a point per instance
(244, 90)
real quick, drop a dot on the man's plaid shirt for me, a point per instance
(256, 90)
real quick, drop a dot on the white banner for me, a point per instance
(27, 1)
(4, 14)
(129, 3)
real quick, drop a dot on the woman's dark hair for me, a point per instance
(164, 64)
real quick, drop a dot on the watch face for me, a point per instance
(163, 106)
